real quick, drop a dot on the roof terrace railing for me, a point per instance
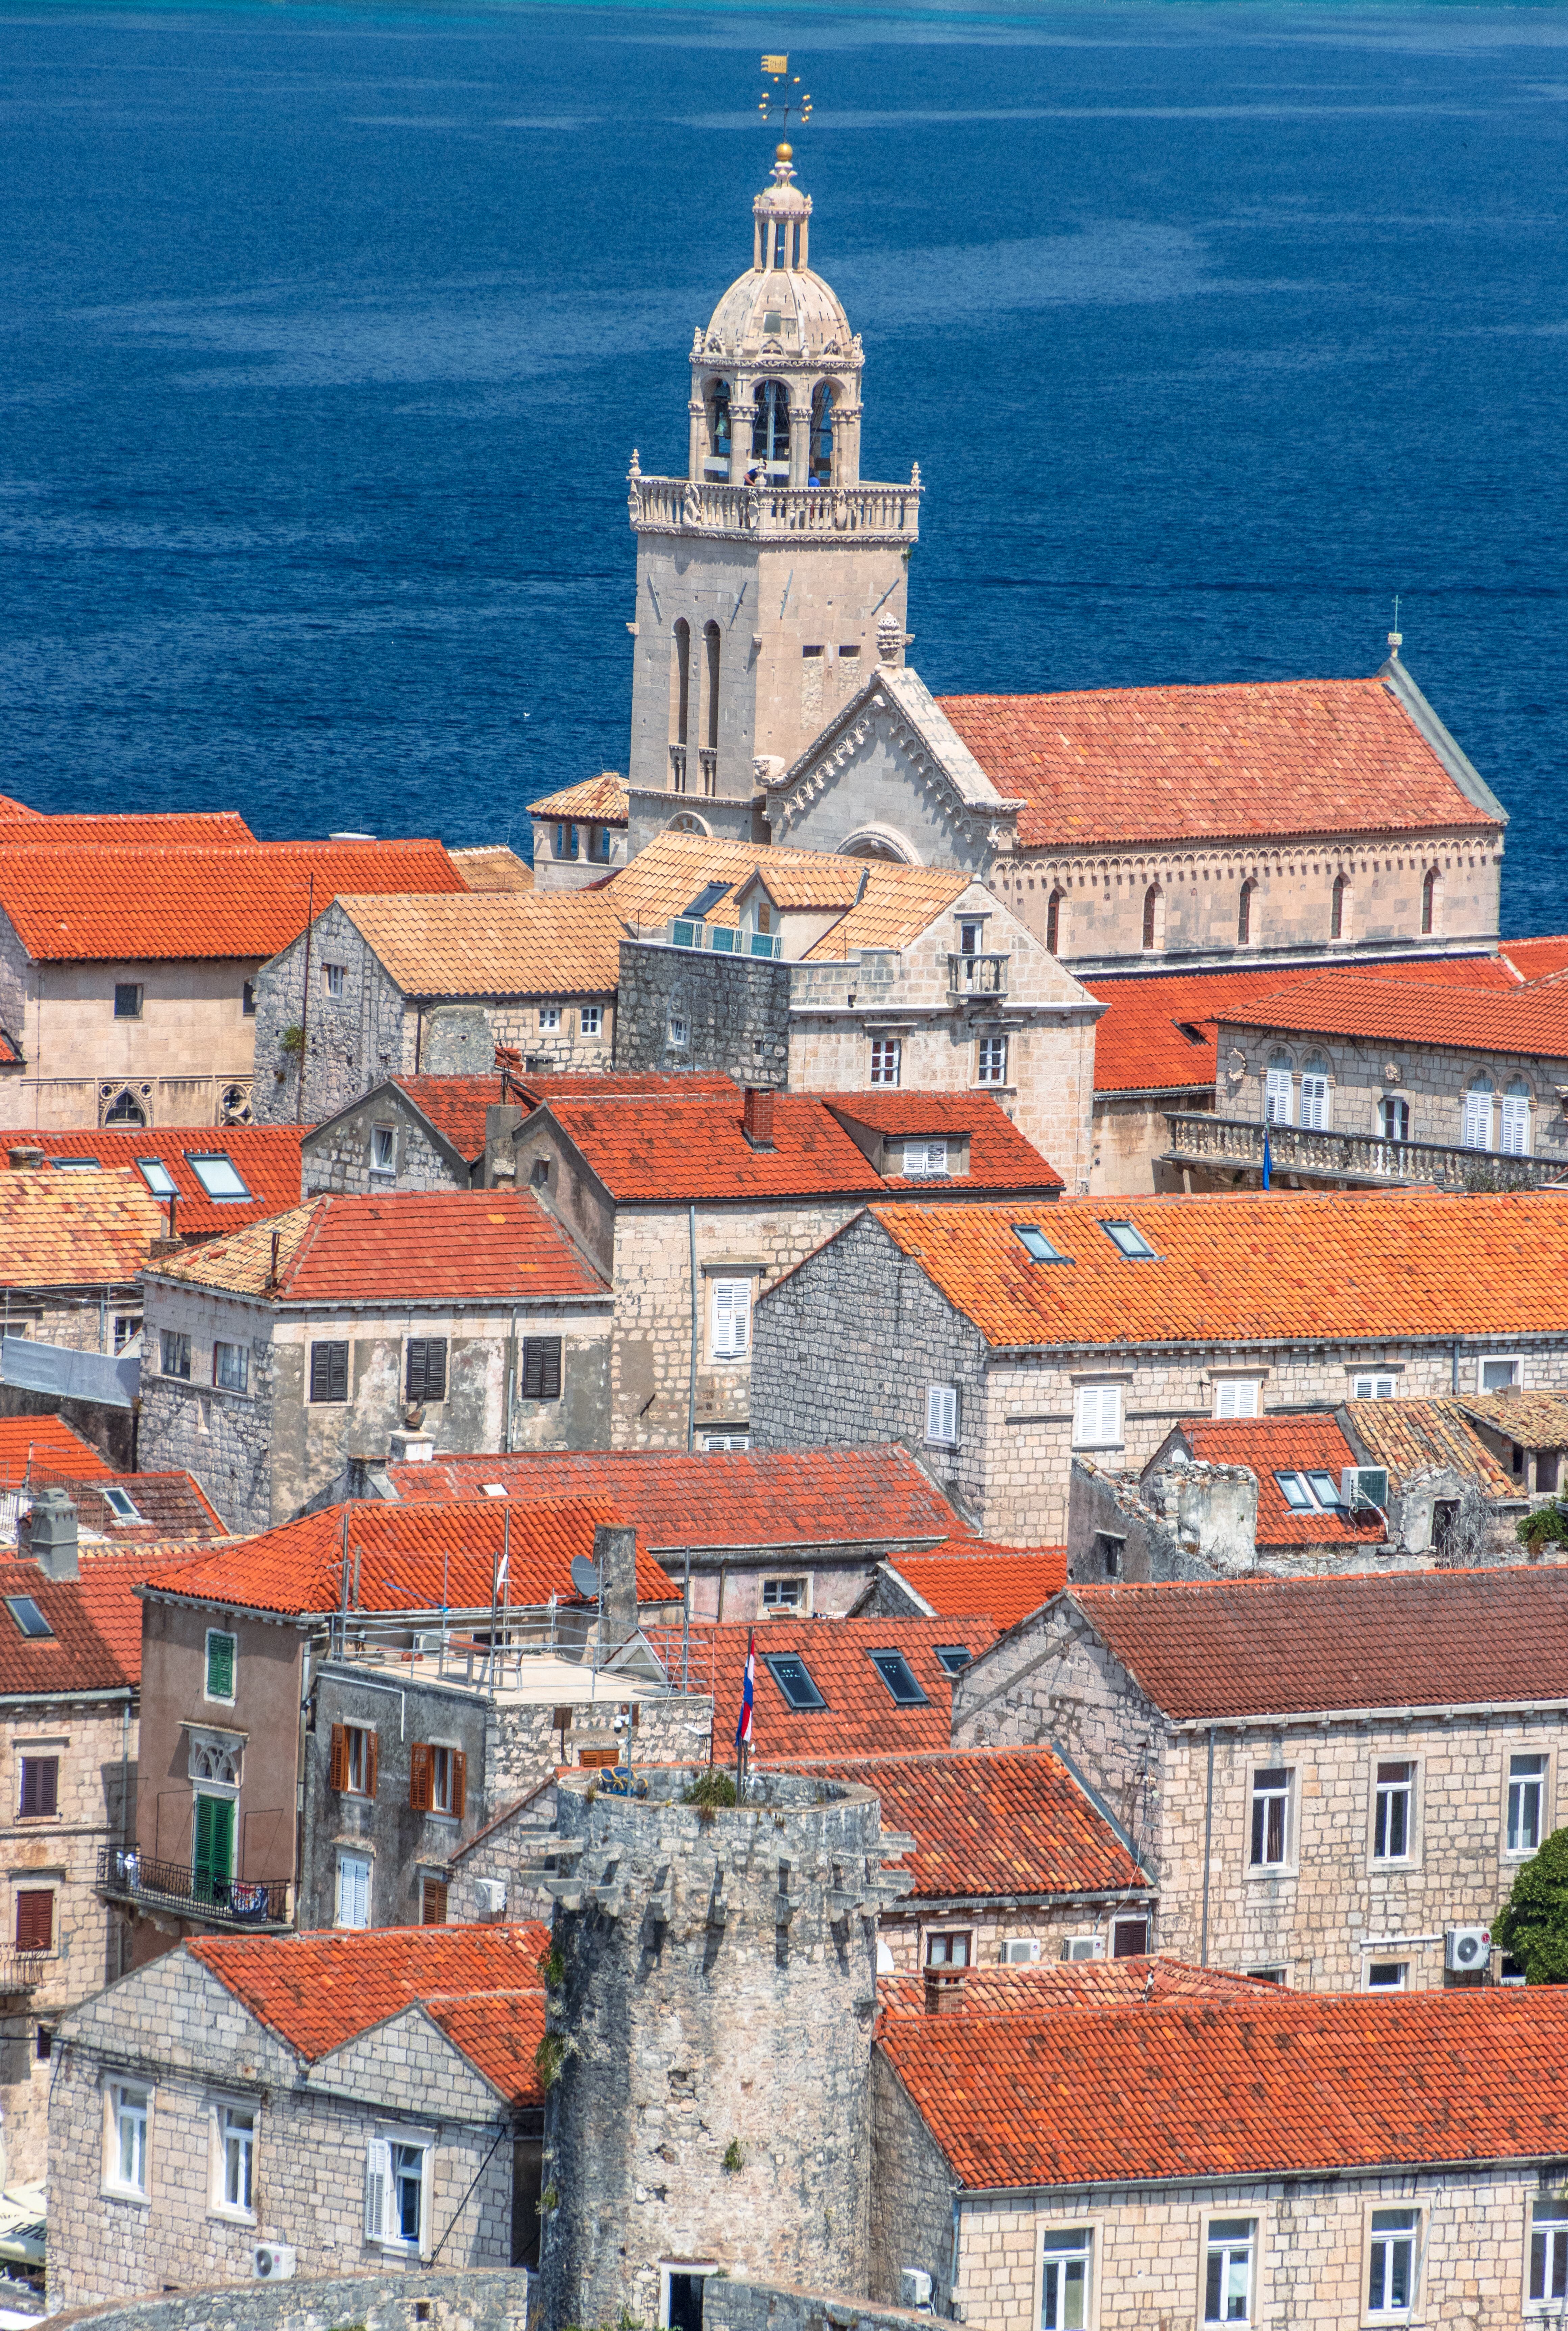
(1201, 1138)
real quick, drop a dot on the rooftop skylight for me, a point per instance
(899, 1677)
(1036, 1245)
(1129, 1240)
(28, 1616)
(218, 1177)
(157, 1177)
(794, 1679)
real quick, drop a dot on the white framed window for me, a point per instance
(1526, 1799)
(1394, 1118)
(991, 1061)
(1475, 1132)
(1279, 1090)
(397, 2191)
(926, 1157)
(726, 1441)
(1315, 1099)
(1270, 1842)
(730, 1312)
(1096, 1416)
(234, 2160)
(591, 1019)
(786, 1595)
(384, 1151)
(942, 1414)
(1497, 1374)
(443, 1780)
(1393, 1811)
(679, 1030)
(1388, 1974)
(1548, 2282)
(1237, 1396)
(1064, 2287)
(549, 1018)
(126, 2111)
(220, 1665)
(1374, 1384)
(354, 1889)
(1229, 2270)
(231, 1367)
(886, 1053)
(332, 978)
(1393, 2248)
(1514, 1119)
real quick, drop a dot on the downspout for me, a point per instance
(1454, 1367)
(691, 1377)
(510, 1386)
(305, 1003)
(1207, 1842)
(953, 2276)
(418, 1035)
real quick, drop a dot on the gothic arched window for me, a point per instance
(770, 428)
(680, 701)
(823, 434)
(1153, 916)
(1244, 932)
(1431, 901)
(1053, 923)
(1337, 906)
(124, 1110)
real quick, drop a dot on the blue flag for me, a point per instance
(1267, 1160)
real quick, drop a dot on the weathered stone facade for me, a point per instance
(682, 1009)
(339, 1155)
(470, 2298)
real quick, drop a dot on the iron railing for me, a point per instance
(129, 1876)
(1201, 1138)
(22, 1971)
(977, 975)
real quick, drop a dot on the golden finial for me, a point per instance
(784, 153)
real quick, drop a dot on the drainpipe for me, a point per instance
(691, 1377)
(1208, 1842)
(305, 1005)
(953, 2276)
(1454, 1368)
(509, 1385)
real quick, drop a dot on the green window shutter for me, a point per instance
(213, 1861)
(220, 1667)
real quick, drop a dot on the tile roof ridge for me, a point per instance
(317, 1210)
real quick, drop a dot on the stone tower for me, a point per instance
(763, 574)
(710, 2029)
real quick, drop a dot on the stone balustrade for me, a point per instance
(685, 505)
(1201, 1138)
(977, 975)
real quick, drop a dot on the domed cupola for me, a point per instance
(775, 377)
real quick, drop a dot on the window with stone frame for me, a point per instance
(1064, 2298)
(176, 1353)
(591, 1019)
(383, 1152)
(437, 1779)
(1270, 1838)
(540, 1373)
(35, 1918)
(39, 1793)
(954, 1948)
(1393, 1811)
(234, 2161)
(1391, 2254)
(231, 1367)
(127, 2110)
(433, 1901)
(729, 1313)
(886, 1055)
(991, 1061)
(425, 1376)
(1229, 2269)
(329, 1371)
(354, 1759)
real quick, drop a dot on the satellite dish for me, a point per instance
(585, 1575)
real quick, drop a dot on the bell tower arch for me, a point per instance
(764, 573)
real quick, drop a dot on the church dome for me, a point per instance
(780, 308)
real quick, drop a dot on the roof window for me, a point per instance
(492, 1489)
(28, 1616)
(157, 1177)
(119, 1504)
(794, 1679)
(899, 1677)
(953, 1657)
(708, 898)
(1129, 1239)
(74, 1165)
(218, 1177)
(1036, 1245)
(1308, 1492)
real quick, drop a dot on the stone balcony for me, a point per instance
(684, 506)
(977, 975)
(1234, 1145)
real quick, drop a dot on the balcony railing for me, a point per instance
(22, 1971)
(977, 975)
(1199, 1138)
(127, 1875)
(683, 506)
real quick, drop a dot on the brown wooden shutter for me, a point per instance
(340, 1756)
(459, 1783)
(372, 1762)
(34, 1920)
(432, 1903)
(419, 1776)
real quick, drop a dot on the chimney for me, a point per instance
(943, 1990)
(756, 1118)
(47, 1536)
(615, 1552)
(23, 1159)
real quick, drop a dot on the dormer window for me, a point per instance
(927, 1159)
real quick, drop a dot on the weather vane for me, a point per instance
(779, 100)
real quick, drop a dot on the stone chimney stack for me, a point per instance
(23, 1159)
(757, 1117)
(615, 1552)
(48, 1534)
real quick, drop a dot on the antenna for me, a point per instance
(777, 101)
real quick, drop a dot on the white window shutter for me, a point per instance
(941, 1413)
(1478, 1118)
(731, 1317)
(378, 2187)
(1515, 1129)
(1279, 1094)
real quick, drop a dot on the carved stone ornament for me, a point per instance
(1391, 1072)
(692, 506)
(1235, 1066)
(889, 638)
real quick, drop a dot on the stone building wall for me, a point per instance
(79, 1319)
(991, 1926)
(223, 1438)
(469, 2299)
(352, 1041)
(912, 2191)
(679, 1008)
(337, 1157)
(1130, 1136)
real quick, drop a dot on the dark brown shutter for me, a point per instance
(419, 1776)
(39, 1786)
(372, 1762)
(340, 1756)
(432, 1905)
(427, 1367)
(459, 1783)
(338, 1375)
(541, 1368)
(34, 1920)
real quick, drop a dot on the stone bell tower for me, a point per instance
(764, 573)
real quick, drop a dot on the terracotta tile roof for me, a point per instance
(1271, 1445)
(493, 942)
(107, 1584)
(409, 1558)
(1294, 1646)
(1403, 1012)
(174, 1506)
(1302, 756)
(603, 798)
(456, 1106)
(1053, 1985)
(1249, 1266)
(1000, 1157)
(738, 1498)
(265, 1156)
(1538, 958)
(211, 827)
(1006, 1582)
(812, 881)
(989, 1821)
(87, 902)
(9, 808)
(492, 868)
(318, 1991)
(76, 1655)
(75, 1230)
(1277, 2085)
(1534, 1419)
(898, 902)
(47, 1443)
(861, 1717)
(10, 1052)
(495, 1245)
(1412, 1436)
(1159, 1033)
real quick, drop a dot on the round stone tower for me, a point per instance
(708, 2044)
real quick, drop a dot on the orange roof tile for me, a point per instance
(1412, 1436)
(77, 1654)
(75, 1230)
(173, 1506)
(1249, 1266)
(493, 942)
(1537, 958)
(603, 798)
(1303, 756)
(1271, 1445)
(1052, 1986)
(456, 1106)
(1348, 1640)
(1000, 1157)
(9, 808)
(1404, 1012)
(433, 1245)
(265, 1156)
(209, 827)
(11, 1054)
(110, 1578)
(1271, 2083)
(482, 1985)
(991, 1822)
(896, 905)
(721, 1499)
(87, 903)
(862, 1715)
(492, 867)
(1006, 1581)
(421, 1557)
(1534, 1419)
(48, 1443)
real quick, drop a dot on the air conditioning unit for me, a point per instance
(1467, 1949)
(490, 1894)
(272, 2261)
(1083, 1946)
(914, 2288)
(1022, 1953)
(1363, 1486)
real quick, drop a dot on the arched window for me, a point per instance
(1053, 923)
(688, 821)
(1314, 1092)
(770, 428)
(1514, 1130)
(711, 709)
(718, 430)
(1244, 915)
(822, 467)
(1478, 1127)
(1153, 916)
(1339, 909)
(1278, 1089)
(1431, 901)
(679, 702)
(124, 1110)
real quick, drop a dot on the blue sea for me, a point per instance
(326, 334)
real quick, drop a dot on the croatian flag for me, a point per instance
(1268, 1161)
(748, 1692)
